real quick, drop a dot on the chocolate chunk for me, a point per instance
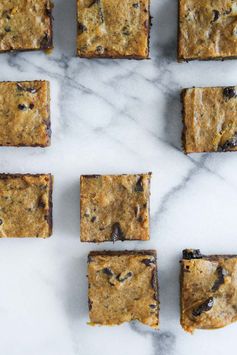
(45, 41)
(228, 145)
(30, 89)
(229, 92)
(204, 307)
(81, 28)
(117, 233)
(1, 222)
(148, 262)
(139, 185)
(216, 15)
(93, 219)
(22, 107)
(220, 278)
(41, 203)
(189, 254)
(107, 271)
(7, 29)
(31, 106)
(122, 278)
(99, 49)
(136, 5)
(152, 306)
(125, 31)
(48, 10)
(90, 304)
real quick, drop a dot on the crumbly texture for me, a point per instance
(25, 205)
(115, 207)
(208, 291)
(25, 113)
(25, 25)
(207, 29)
(210, 119)
(113, 28)
(123, 286)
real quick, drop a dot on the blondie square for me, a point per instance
(207, 29)
(210, 119)
(123, 286)
(115, 207)
(25, 25)
(25, 113)
(208, 290)
(113, 28)
(25, 205)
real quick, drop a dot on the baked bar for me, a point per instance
(208, 290)
(113, 28)
(25, 205)
(210, 119)
(115, 207)
(25, 113)
(123, 286)
(207, 29)
(25, 25)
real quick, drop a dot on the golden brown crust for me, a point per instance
(113, 28)
(207, 30)
(123, 286)
(208, 292)
(25, 205)
(114, 207)
(25, 113)
(25, 25)
(210, 119)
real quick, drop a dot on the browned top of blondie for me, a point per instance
(25, 25)
(207, 29)
(210, 119)
(115, 207)
(25, 205)
(123, 287)
(113, 28)
(24, 113)
(208, 292)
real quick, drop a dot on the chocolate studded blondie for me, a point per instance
(123, 286)
(25, 205)
(207, 29)
(208, 290)
(25, 25)
(210, 119)
(25, 113)
(113, 28)
(115, 207)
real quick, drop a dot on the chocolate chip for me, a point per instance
(216, 15)
(229, 144)
(81, 28)
(107, 271)
(125, 31)
(30, 89)
(99, 49)
(90, 304)
(229, 92)
(45, 41)
(152, 306)
(7, 29)
(189, 254)
(31, 106)
(139, 219)
(22, 107)
(122, 278)
(220, 278)
(204, 307)
(148, 262)
(139, 185)
(117, 233)
(136, 5)
(1, 222)
(93, 219)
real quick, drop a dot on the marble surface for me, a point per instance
(115, 116)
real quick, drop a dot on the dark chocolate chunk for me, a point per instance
(93, 219)
(189, 254)
(121, 278)
(148, 262)
(229, 92)
(31, 106)
(107, 271)
(204, 307)
(1, 222)
(216, 15)
(117, 233)
(22, 107)
(152, 306)
(81, 28)
(41, 203)
(136, 5)
(220, 278)
(7, 29)
(228, 145)
(139, 185)
(125, 31)
(99, 49)
(90, 304)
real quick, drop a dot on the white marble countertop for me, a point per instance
(115, 116)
